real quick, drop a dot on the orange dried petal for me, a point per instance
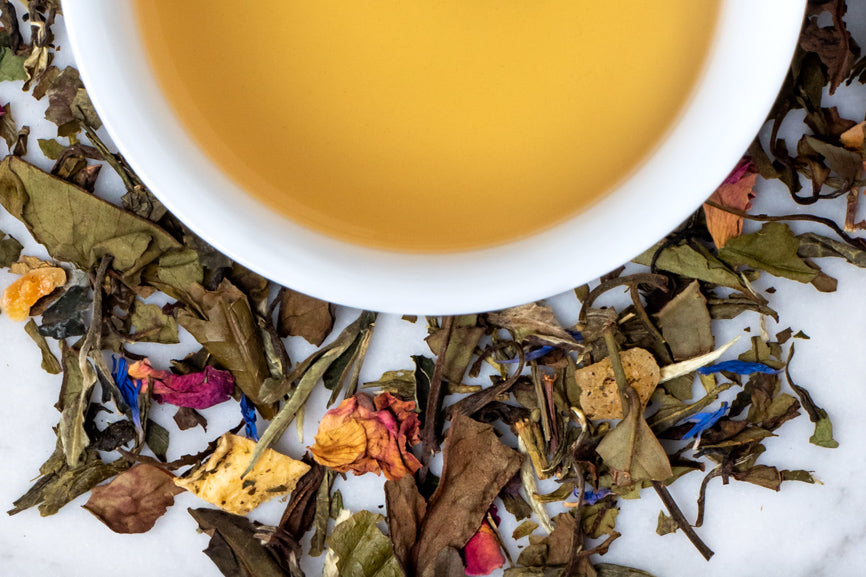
(25, 291)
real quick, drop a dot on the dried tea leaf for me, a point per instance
(666, 524)
(234, 547)
(227, 329)
(60, 484)
(219, 481)
(599, 395)
(524, 529)
(306, 376)
(76, 226)
(406, 509)
(304, 316)
(632, 447)
(301, 509)
(535, 323)
(476, 468)
(460, 349)
(685, 323)
(187, 418)
(737, 192)
(68, 104)
(134, 500)
(151, 325)
(400, 383)
(693, 263)
(156, 437)
(833, 45)
(50, 364)
(816, 246)
(362, 550)
(772, 249)
(50, 148)
(11, 65)
(10, 251)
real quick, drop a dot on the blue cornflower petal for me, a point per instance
(576, 335)
(705, 421)
(530, 356)
(591, 497)
(248, 410)
(738, 367)
(129, 390)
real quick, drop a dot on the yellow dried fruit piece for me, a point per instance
(24, 292)
(218, 481)
(599, 395)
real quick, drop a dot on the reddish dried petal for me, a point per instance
(195, 390)
(482, 552)
(736, 192)
(367, 435)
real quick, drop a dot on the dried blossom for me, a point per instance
(366, 434)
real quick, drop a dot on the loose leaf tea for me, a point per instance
(555, 424)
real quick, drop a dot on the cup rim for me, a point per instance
(744, 70)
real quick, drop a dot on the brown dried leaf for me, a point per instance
(476, 468)
(304, 316)
(134, 500)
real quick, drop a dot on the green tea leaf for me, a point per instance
(152, 325)
(694, 263)
(307, 375)
(362, 550)
(631, 446)
(76, 226)
(685, 324)
(772, 249)
(11, 65)
(524, 529)
(816, 246)
(10, 251)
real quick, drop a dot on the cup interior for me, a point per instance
(750, 55)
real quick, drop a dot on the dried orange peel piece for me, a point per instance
(25, 291)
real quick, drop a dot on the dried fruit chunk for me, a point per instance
(599, 396)
(219, 481)
(24, 292)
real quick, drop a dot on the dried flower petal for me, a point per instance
(736, 192)
(195, 390)
(705, 421)
(738, 367)
(364, 435)
(482, 552)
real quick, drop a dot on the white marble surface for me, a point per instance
(804, 530)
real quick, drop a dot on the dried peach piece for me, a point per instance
(24, 292)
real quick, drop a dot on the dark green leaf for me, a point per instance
(151, 325)
(685, 324)
(694, 263)
(772, 249)
(362, 550)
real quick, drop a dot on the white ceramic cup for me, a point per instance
(754, 42)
